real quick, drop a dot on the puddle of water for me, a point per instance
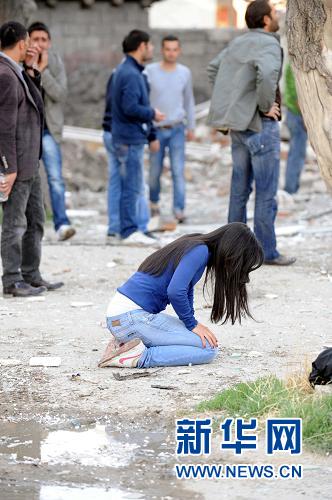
(66, 493)
(79, 452)
(91, 448)
(55, 492)
(94, 447)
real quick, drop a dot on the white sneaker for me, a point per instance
(126, 356)
(139, 239)
(65, 232)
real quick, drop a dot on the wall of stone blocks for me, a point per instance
(90, 42)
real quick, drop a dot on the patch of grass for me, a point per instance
(48, 214)
(270, 396)
(248, 399)
(316, 414)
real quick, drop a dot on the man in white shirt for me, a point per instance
(171, 92)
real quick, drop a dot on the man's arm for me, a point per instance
(268, 68)
(55, 84)
(189, 103)
(107, 120)
(130, 97)
(213, 68)
(8, 121)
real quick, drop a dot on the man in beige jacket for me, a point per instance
(54, 90)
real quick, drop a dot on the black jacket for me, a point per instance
(21, 121)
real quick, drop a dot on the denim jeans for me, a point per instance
(129, 163)
(52, 159)
(167, 340)
(114, 193)
(297, 151)
(22, 232)
(256, 157)
(174, 140)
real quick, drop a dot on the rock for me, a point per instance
(10, 362)
(254, 354)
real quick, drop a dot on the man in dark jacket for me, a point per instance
(21, 122)
(132, 127)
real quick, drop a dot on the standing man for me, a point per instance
(171, 91)
(132, 127)
(114, 181)
(246, 101)
(298, 134)
(21, 122)
(54, 91)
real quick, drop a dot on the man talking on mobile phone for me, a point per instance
(54, 92)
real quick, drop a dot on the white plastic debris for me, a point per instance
(271, 296)
(111, 264)
(45, 361)
(81, 304)
(38, 298)
(82, 213)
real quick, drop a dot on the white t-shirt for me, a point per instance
(120, 304)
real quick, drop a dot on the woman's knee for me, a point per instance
(209, 354)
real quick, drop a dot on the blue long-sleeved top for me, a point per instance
(128, 104)
(175, 287)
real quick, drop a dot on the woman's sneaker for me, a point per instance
(126, 356)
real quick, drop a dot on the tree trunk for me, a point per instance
(16, 10)
(309, 35)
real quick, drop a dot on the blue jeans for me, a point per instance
(256, 157)
(129, 163)
(52, 159)
(174, 140)
(297, 151)
(167, 340)
(114, 193)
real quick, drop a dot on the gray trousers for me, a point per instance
(22, 232)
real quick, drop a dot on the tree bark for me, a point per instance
(16, 10)
(309, 35)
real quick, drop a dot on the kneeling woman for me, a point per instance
(145, 336)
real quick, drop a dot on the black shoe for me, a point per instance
(22, 289)
(180, 217)
(151, 234)
(280, 261)
(47, 285)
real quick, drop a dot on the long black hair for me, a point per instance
(234, 253)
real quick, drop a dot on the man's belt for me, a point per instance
(170, 125)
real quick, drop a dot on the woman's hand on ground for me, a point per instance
(205, 335)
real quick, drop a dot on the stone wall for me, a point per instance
(90, 42)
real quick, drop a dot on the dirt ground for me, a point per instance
(292, 308)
